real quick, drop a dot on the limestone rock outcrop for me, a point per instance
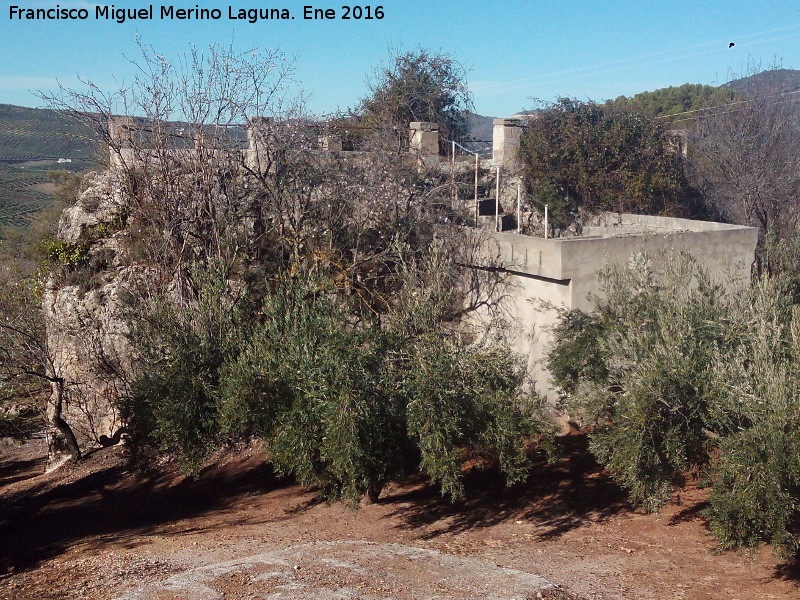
(84, 305)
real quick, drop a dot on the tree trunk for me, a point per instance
(372, 494)
(54, 409)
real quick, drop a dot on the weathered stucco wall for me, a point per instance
(564, 272)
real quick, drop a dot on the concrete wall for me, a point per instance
(564, 271)
(532, 306)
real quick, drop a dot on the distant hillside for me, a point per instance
(669, 101)
(38, 134)
(779, 80)
(34, 142)
(479, 127)
(689, 97)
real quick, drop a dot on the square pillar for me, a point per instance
(122, 133)
(257, 128)
(424, 138)
(505, 141)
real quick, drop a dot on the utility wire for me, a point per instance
(686, 112)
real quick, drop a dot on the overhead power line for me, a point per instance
(738, 102)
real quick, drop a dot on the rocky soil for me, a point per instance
(97, 530)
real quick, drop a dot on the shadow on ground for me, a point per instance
(100, 501)
(17, 470)
(790, 570)
(558, 497)
(109, 501)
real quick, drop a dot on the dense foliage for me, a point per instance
(419, 86)
(669, 101)
(586, 157)
(345, 402)
(756, 494)
(685, 377)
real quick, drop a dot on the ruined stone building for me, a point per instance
(87, 332)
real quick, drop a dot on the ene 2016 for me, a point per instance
(362, 12)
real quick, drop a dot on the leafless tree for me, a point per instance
(745, 156)
(359, 217)
(27, 367)
(180, 144)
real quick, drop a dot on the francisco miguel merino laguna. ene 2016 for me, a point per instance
(165, 12)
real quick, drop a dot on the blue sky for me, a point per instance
(514, 51)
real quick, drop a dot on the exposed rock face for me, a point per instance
(84, 312)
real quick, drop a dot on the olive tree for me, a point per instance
(419, 85)
(744, 155)
(678, 378)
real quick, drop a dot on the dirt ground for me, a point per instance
(96, 530)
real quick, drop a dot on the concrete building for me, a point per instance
(563, 272)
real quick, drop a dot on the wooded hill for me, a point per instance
(692, 96)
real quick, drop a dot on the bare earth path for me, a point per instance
(95, 530)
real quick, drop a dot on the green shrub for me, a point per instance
(646, 389)
(100, 231)
(460, 396)
(756, 492)
(69, 255)
(173, 406)
(350, 406)
(345, 401)
(576, 357)
(683, 377)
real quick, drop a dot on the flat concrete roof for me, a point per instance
(615, 236)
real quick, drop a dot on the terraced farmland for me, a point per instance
(19, 196)
(32, 141)
(36, 134)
